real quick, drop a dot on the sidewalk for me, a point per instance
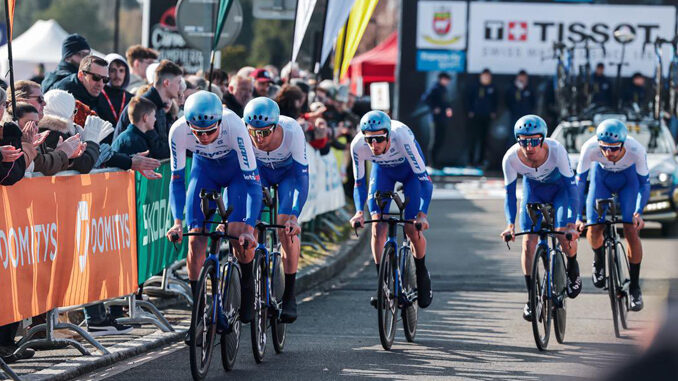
(68, 363)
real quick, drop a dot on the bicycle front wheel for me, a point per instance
(203, 323)
(559, 287)
(612, 282)
(624, 283)
(258, 325)
(540, 300)
(387, 305)
(230, 341)
(409, 312)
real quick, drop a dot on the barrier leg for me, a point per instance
(139, 316)
(315, 239)
(8, 371)
(328, 224)
(169, 285)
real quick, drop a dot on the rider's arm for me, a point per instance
(360, 185)
(177, 143)
(300, 163)
(242, 144)
(643, 173)
(510, 180)
(569, 181)
(581, 192)
(583, 168)
(416, 159)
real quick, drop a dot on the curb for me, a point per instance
(308, 278)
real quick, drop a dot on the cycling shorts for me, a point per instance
(553, 193)
(285, 179)
(383, 179)
(604, 183)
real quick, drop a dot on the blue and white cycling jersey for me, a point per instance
(628, 177)
(403, 162)
(552, 182)
(229, 161)
(287, 167)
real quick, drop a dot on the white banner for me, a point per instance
(325, 190)
(441, 25)
(303, 17)
(335, 18)
(508, 37)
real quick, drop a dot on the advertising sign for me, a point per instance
(441, 60)
(441, 25)
(508, 37)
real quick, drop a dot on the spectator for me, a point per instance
(13, 164)
(114, 92)
(220, 80)
(48, 161)
(635, 93)
(289, 72)
(73, 50)
(601, 87)
(166, 88)
(246, 71)
(29, 92)
(88, 83)
(323, 91)
(273, 71)
(238, 94)
(438, 100)
(201, 83)
(262, 83)
(58, 119)
(520, 100)
(139, 135)
(38, 73)
(138, 58)
(290, 99)
(305, 88)
(482, 110)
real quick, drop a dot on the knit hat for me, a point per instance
(60, 104)
(73, 44)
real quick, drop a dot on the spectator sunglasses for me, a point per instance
(376, 138)
(97, 77)
(610, 148)
(262, 132)
(532, 142)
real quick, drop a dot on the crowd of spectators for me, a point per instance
(116, 112)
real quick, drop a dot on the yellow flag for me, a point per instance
(349, 37)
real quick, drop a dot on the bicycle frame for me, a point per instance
(269, 258)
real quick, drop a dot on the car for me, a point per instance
(662, 161)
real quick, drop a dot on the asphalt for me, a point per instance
(473, 329)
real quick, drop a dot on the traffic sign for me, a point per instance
(196, 21)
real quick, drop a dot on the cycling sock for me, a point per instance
(635, 274)
(599, 256)
(194, 285)
(528, 282)
(572, 267)
(377, 266)
(289, 286)
(420, 264)
(246, 271)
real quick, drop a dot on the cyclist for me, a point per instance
(222, 157)
(280, 148)
(621, 168)
(396, 156)
(547, 177)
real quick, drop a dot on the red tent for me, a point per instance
(376, 65)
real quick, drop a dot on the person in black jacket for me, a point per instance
(636, 93)
(438, 100)
(482, 110)
(166, 87)
(238, 94)
(87, 84)
(139, 135)
(114, 92)
(601, 87)
(520, 100)
(73, 50)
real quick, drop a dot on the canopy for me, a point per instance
(376, 65)
(41, 43)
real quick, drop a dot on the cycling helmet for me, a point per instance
(202, 109)
(375, 121)
(611, 131)
(530, 125)
(261, 112)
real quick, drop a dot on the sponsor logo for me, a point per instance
(442, 26)
(25, 245)
(252, 177)
(494, 30)
(408, 149)
(243, 152)
(100, 234)
(517, 31)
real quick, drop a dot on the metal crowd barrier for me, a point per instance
(8, 371)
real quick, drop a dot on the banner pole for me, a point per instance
(9, 57)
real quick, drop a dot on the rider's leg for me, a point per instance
(379, 181)
(379, 233)
(245, 257)
(197, 247)
(627, 200)
(291, 246)
(598, 189)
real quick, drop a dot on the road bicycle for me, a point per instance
(397, 283)
(548, 291)
(269, 282)
(618, 278)
(216, 303)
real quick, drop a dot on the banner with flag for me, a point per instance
(352, 33)
(224, 7)
(335, 18)
(303, 17)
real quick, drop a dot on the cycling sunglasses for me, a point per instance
(208, 131)
(610, 148)
(97, 77)
(533, 142)
(262, 132)
(376, 138)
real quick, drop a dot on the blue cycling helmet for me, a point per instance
(261, 112)
(612, 131)
(202, 109)
(375, 121)
(530, 125)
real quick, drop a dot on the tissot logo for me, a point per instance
(517, 31)
(494, 30)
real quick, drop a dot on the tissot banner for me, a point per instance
(508, 37)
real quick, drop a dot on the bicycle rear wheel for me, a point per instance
(258, 325)
(559, 275)
(203, 324)
(230, 341)
(624, 283)
(612, 282)
(540, 300)
(409, 313)
(278, 328)
(387, 305)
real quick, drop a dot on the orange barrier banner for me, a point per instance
(66, 240)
